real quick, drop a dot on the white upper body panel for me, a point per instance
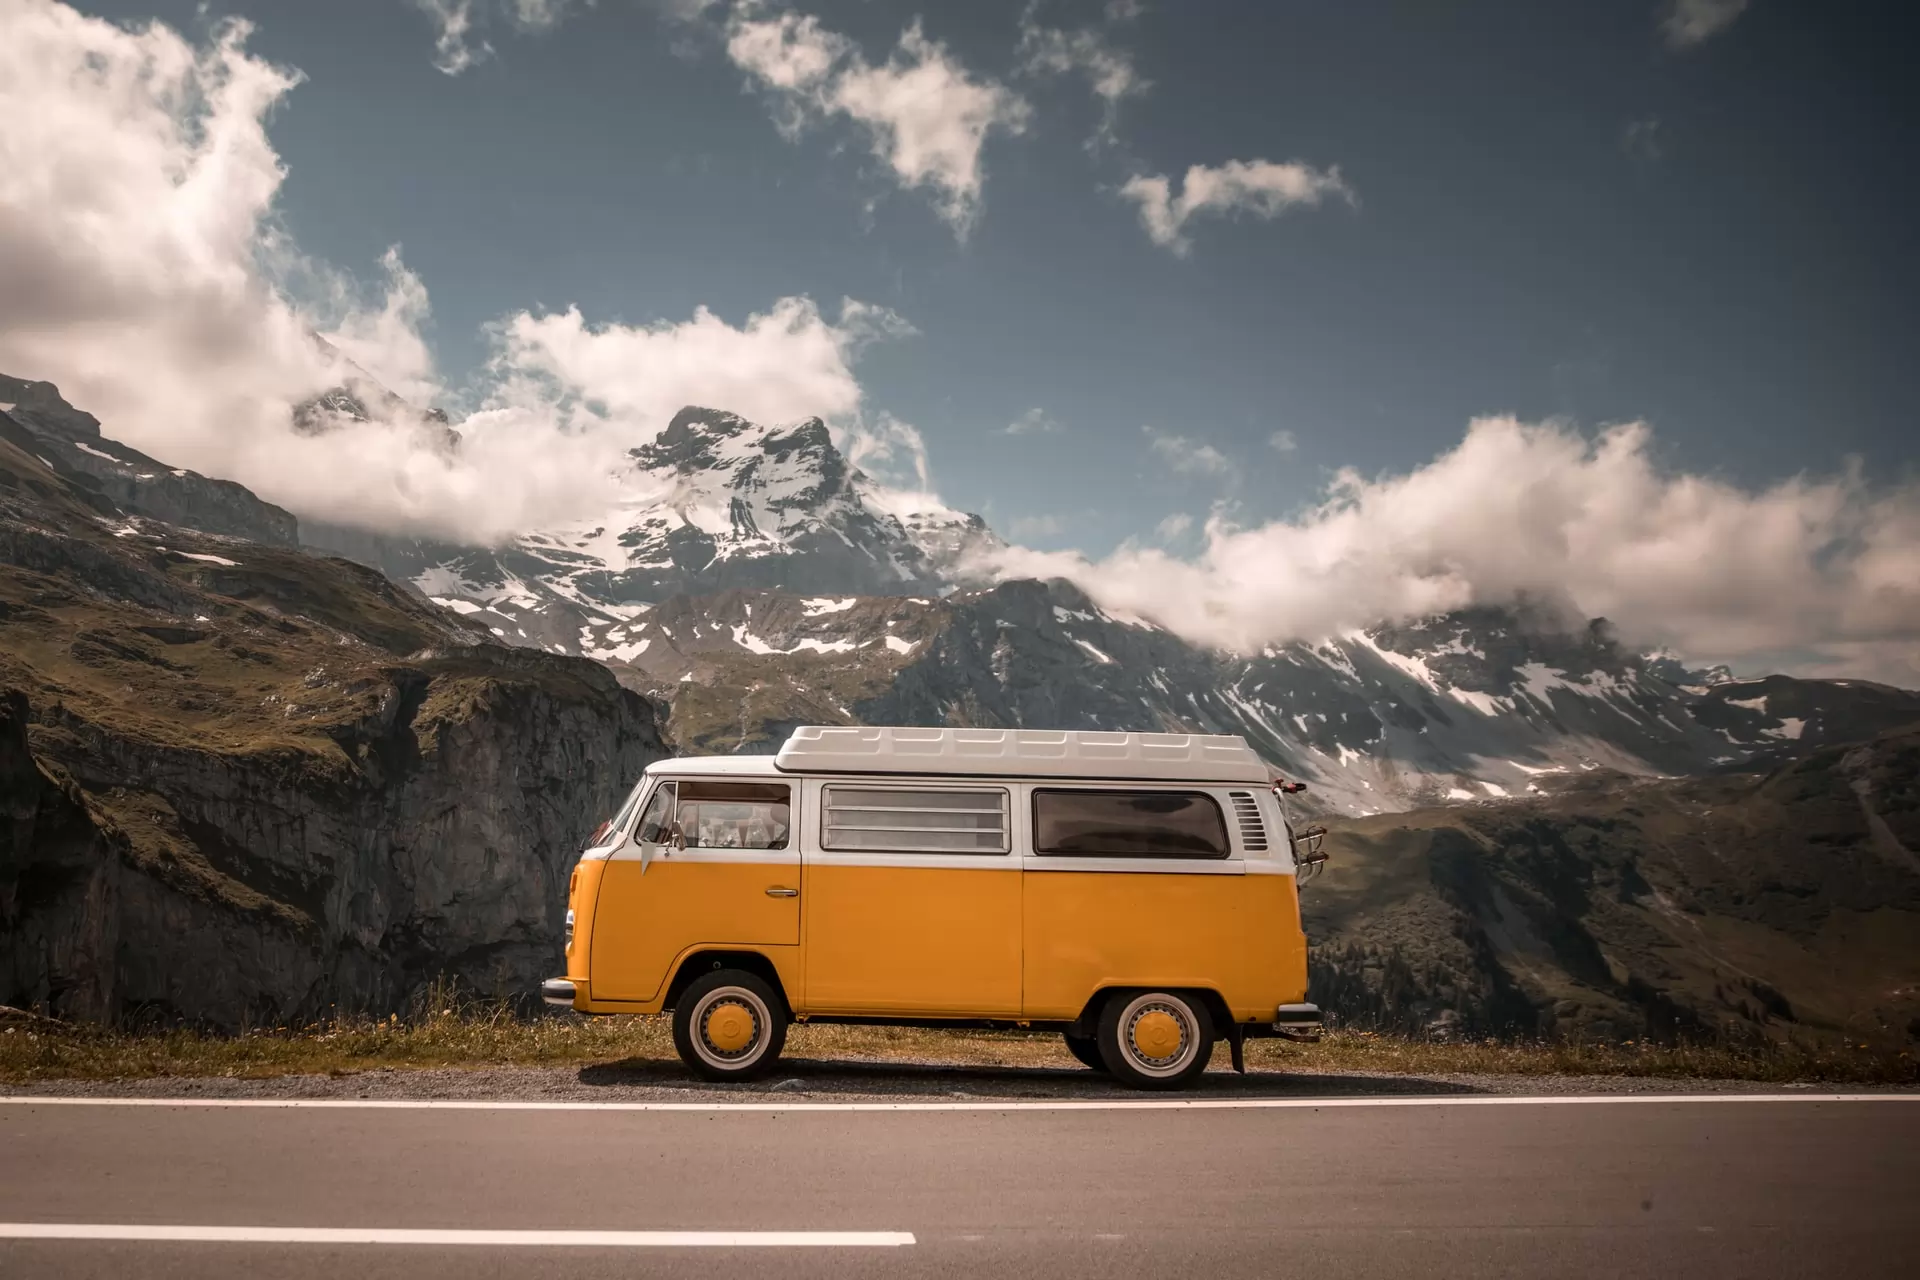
(1022, 753)
(716, 766)
(1017, 762)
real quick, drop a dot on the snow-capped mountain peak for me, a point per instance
(714, 503)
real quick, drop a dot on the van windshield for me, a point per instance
(618, 822)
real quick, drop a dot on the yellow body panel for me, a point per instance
(1091, 929)
(644, 923)
(583, 891)
(912, 941)
(938, 942)
(1276, 949)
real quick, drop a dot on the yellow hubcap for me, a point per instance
(1156, 1034)
(729, 1027)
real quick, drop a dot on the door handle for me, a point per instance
(779, 891)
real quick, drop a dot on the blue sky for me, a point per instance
(1314, 315)
(1556, 212)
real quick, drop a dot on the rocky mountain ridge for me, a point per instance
(754, 579)
(69, 441)
(1471, 707)
(714, 503)
(243, 783)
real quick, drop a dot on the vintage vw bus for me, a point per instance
(1134, 891)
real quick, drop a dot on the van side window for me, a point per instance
(861, 818)
(1128, 824)
(659, 815)
(735, 815)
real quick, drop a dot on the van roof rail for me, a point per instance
(1186, 757)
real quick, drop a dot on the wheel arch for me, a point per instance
(709, 959)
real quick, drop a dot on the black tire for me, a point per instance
(1087, 1050)
(1135, 1026)
(742, 1004)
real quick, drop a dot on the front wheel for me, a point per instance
(1155, 1039)
(729, 1025)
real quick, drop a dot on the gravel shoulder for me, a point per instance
(813, 1080)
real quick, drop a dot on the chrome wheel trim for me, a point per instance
(1182, 1014)
(720, 1059)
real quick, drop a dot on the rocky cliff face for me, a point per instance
(243, 783)
(1785, 903)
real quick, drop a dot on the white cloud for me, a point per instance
(1260, 187)
(1283, 442)
(455, 47)
(893, 453)
(385, 340)
(783, 363)
(1086, 51)
(1688, 22)
(1184, 454)
(144, 272)
(1827, 569)
(136, 188)
(926, 116)
(538, 15)
(1035, 421)
(1174, 526)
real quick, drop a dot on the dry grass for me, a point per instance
(450, 1033)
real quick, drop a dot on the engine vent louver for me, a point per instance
(1253, 831)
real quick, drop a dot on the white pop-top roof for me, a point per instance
(1184, 757)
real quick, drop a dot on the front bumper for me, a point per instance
(1297, 1022)
(557, 992)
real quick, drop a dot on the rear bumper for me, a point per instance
(558, 992)
(1297, 1022)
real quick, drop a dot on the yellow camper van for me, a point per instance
(1133, 891)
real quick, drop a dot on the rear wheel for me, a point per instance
(729, 1025)
(1087, 1050)
(1155, 1039)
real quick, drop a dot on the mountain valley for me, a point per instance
(247, 780)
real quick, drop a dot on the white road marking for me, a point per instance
(435, 1236)
(1060, 1104)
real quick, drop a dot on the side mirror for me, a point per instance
(672, 837)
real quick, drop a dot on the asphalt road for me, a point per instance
(1700, 1188)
